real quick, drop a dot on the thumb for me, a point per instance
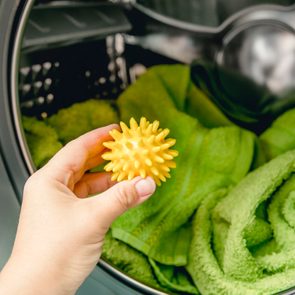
(122, 196)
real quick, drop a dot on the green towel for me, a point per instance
(129, 261)
(82, 117)
(45, 138)
(243, 241)
(42, 140)
(209, 159)
(139, 267)
(280, 137)
(174, 278)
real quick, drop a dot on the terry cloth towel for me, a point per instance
(243, 243)
(82, 117)
(209, 159)
(280, 137)
(130, 261)
(42, 140)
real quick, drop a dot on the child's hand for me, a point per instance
(61, 231)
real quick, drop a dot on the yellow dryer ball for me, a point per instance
(141, 150)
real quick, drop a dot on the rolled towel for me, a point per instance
(243, 241)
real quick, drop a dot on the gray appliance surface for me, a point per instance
(9, 210)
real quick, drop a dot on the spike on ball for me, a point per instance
(141, 150)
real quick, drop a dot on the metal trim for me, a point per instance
(14, 89)
(194, 28)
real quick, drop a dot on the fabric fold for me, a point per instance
(130, 261)
(280, 136)
(174, 278)
(235, 263)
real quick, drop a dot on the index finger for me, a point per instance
(70, 163)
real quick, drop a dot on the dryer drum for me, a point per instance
(57, 53)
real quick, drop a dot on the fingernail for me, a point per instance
(145, 187)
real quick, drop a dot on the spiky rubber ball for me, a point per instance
(141, 150)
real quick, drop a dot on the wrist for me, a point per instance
(30, 278)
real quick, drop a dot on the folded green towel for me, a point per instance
(82, 117)
(243, 241)
(209, 159)
(42, 140)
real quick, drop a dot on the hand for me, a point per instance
(61, 230)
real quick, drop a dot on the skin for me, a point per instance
(61, 230)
